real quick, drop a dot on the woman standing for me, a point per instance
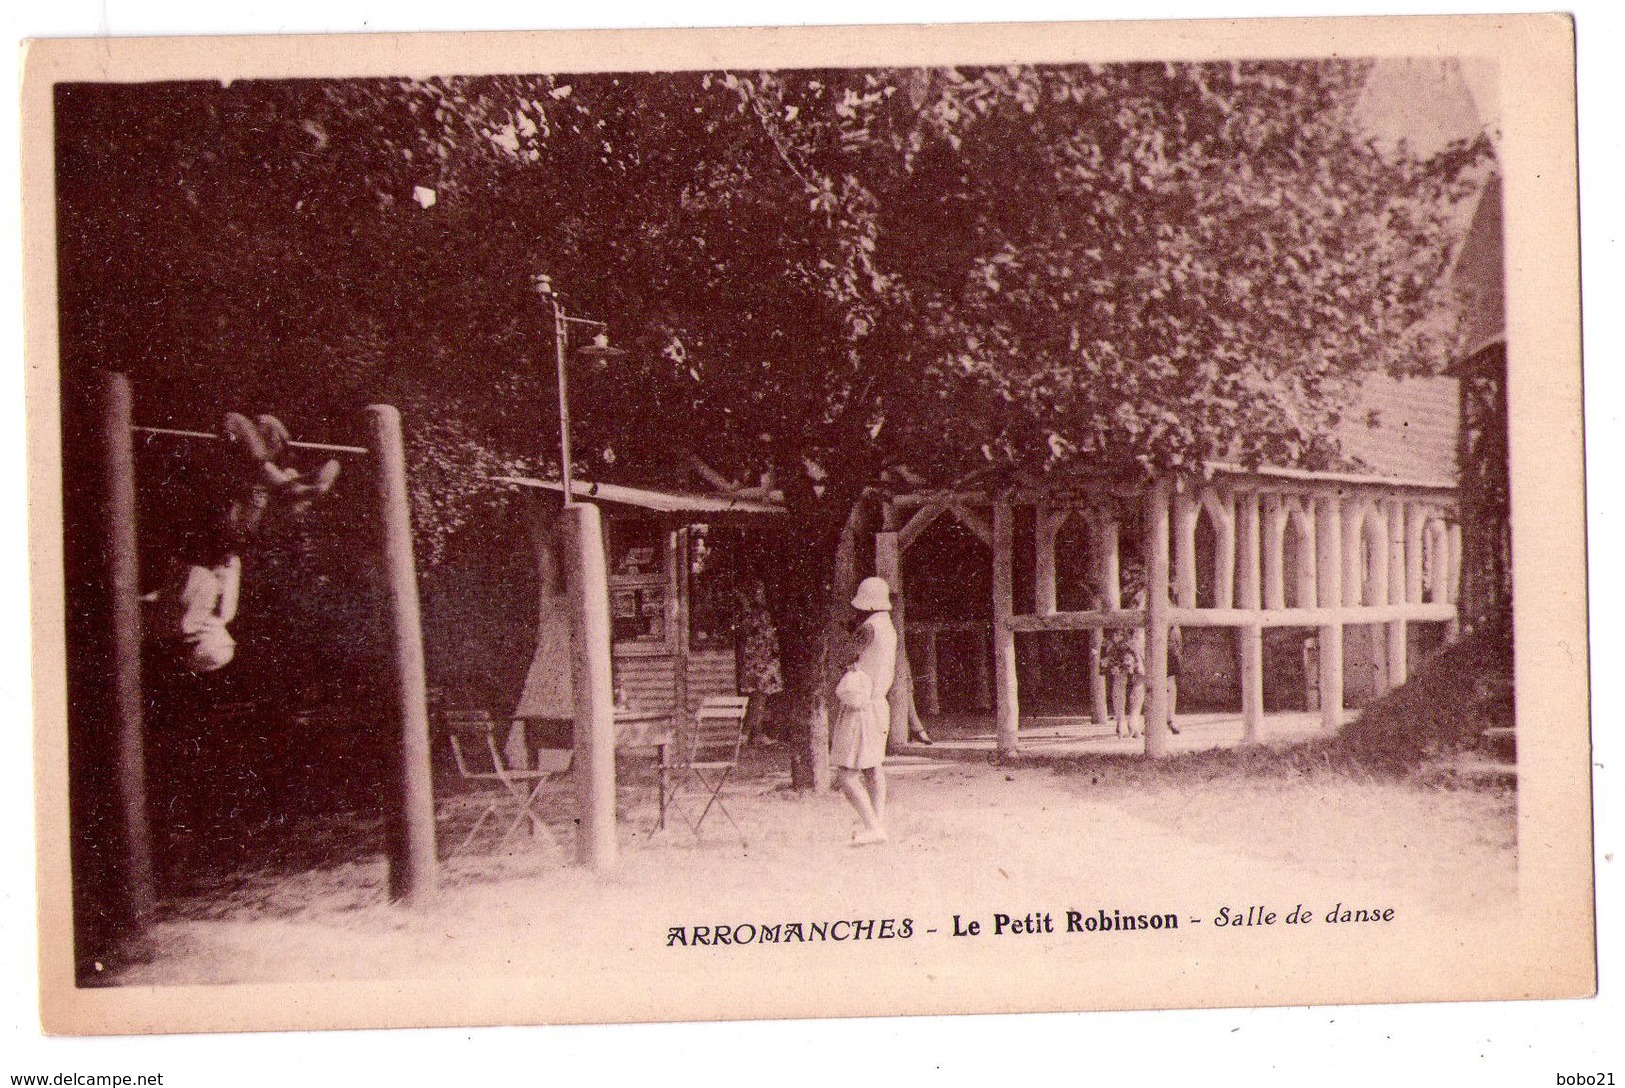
(756, 659)
(858, 741)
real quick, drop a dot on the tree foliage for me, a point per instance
(826, 275)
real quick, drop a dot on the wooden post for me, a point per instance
(1452, 585)
(586, 579)
(1397, 568)
(1249, 639)
(1224, 553)
(1104, 535)
(1186, 512)
(1308, 557)
(677, 616)
(1046, 522)
(1330, 560)
(1156, 621)
(1274, 572)
(1376, 530)
(412, 863)
(1007, 715)
(889, 565)
(1415, 525)
(933, 691)
(124, 606)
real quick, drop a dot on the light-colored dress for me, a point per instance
(858, 739)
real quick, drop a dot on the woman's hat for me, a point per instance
(874, 595)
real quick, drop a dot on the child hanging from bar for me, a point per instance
(188, 613)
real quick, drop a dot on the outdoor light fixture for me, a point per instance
(599, 349)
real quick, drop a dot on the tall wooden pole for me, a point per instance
(1250, 639)
(412, 863)
(1007, 715)
(1156, 635)
(587, 583)
(123, 580)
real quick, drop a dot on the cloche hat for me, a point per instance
(874, 595)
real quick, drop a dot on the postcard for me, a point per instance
(737, 524)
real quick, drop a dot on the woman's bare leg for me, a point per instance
(851, 784)
(874, 778)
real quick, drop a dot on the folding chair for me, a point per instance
(709, 755)
(480, 758)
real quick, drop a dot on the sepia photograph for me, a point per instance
(742, 524)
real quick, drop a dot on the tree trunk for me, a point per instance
(813, 589)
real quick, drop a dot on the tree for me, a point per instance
(825, 276)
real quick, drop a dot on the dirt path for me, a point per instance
(972, 841)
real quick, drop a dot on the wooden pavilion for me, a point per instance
(1279, 548)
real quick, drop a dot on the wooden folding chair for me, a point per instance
(708, 757)
(480, 758)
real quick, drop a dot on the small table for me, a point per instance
(646, 729)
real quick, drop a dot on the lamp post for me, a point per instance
(581, 537)
(598, 349)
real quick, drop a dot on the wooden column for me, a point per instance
(412, 861)
(1249, 639)
(677, 616)
(1224, 552)
(1415, 526)
(1046, 522)
(1397, 567)
(1007, 715)
(889, 565)
(1330, 546)
(1156, 656)
(138, 885)
(1274, 569)
(933, 691)
(1186, 512)
(1308, 556)
(1452, 585)
(1353, 552)
(1103, 537)
(587, 582)
(1376, 529)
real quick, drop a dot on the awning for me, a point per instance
(663, 502)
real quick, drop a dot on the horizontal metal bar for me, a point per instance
(175, 432)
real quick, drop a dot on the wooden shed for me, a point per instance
(671, 638)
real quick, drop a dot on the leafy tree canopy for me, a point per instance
(822, 274)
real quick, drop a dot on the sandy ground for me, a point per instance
(969, 841)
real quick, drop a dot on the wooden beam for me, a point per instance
(1078, 621)
(972, 521)
(917, 524)
(1007, 716)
